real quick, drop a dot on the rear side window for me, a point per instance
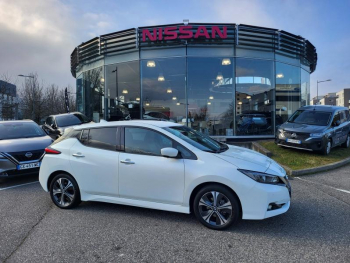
(104, 138)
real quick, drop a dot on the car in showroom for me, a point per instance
(22, 145)
(316, 128)
(166, 166)
(56, 124)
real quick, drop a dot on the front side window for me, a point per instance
(197, 139)
(317, 118)
(20, 130)
(336, 119)
(145, 141)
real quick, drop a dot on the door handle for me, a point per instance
(78, 155)
(127, 161)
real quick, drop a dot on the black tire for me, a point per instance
(214, 217)
(71, 193)
(327, 148)
(346, 144)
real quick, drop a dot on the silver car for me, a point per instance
(22, 147)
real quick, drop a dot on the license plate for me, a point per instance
(294, 141)
(28, 166)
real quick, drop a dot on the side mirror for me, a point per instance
(53, 126)
(169, 152)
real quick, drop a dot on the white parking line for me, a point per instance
(341, 190)
(18, 185)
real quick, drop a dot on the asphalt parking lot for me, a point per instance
(316, 228)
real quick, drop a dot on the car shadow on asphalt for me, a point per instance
(301, 221)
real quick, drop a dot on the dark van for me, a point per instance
(316, 128)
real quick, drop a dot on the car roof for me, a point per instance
(160, 124)
(18, 121)
(64, 114)
(327, 108)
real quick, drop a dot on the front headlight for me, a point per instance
(262, 177)
(317, 135)
(281, 133)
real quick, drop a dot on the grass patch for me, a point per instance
(299, 159)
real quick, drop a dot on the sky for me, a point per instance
(39, 35)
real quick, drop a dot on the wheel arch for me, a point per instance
(49, 180)
(200, 186)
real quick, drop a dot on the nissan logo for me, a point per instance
(28, 154)
(294, 135)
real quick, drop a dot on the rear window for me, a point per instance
(68, 120)
(18, 130)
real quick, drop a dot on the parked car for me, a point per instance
(22, 145)
(154, 115)
(56, 124)
(316, 128)
(165, 166)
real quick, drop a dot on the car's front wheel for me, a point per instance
(327, 148)
(216, 207)
(64, 191)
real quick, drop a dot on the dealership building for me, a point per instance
(227, 80)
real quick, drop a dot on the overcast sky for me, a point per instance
(39, 35)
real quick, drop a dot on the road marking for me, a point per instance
(18, 185)
(341, 190)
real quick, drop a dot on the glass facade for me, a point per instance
(217, 95)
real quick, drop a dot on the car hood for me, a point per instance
(297, 127)
(246, 159)
(25, 144)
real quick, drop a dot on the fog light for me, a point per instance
(274, 206)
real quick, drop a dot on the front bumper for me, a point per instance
(9, 168)
(261, 197)
(309, 144)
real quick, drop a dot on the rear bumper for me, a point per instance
(310, 144)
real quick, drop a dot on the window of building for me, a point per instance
(288, 92)
(145, 141)
(123, 91)
(163, 89)
(305, 87)
(210, 94)
(255, 87)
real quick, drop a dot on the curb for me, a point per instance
(259, 148)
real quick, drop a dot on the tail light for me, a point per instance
(50, 150)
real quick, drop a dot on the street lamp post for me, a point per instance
(24, 76)
(317, 86)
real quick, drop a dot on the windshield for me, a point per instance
(18, 130)
(318, 118)
(68, 120)
(197, 139)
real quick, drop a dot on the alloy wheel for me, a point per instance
(329, 147)
(215, 208)
(63, 192)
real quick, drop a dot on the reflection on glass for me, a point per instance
(305, 88)
(94, 93)
(123, 91)
(210, 96)
(254, 97)
(80, 94)
(287, 91)
(163, 90)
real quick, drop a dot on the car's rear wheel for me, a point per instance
(64, 191)
(327, 148)
(346, 144)
(216, 207)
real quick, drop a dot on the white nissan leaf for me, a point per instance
(165, 166)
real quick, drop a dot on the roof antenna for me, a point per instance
(186, 21)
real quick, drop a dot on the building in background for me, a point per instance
(8, 101)
(316, 100)
(329, 99)
(236, 81)
(343, 98)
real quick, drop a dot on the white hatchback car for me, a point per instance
(166, 166)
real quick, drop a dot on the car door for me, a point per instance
(343, 125)
(146, 175)
(337, 129)
(94, 160)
